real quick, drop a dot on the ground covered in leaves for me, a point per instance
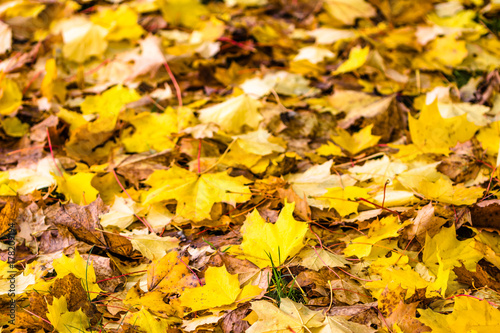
(249, 165)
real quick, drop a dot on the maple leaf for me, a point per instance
(147, 322)
(343, 200)
(185, 12)
(357, 142)
(379, 170)
(347, 11)
(82, 39)
(154, 302)
(195, 194)
(409, 280)
(170, 274)
(357, 104)
(150, 59)
(266, 244)
(120, 215)
(77, 187)
(82, 269)
(329, 149)
(357, 58)
(315, 259)
(250, 148)
(379, 229)
(14, 127)
(234, 114)
(313, 183)
(64, 320)
(443, 53)
(431, 139)
(221, 289)
(444, 249)
(121, 23)
(50, 86)
(490, 138)
(442, 190)
(151, 246)
(314, 54)
(10, 97)
(469, 315)
(108, 105)
(152, 131)
(290, 316)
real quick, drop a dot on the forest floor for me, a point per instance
(249, 166)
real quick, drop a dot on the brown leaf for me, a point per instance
(302, 209)
(170, 274)
(486, 215)
(478, 279)
(425, 223)
(404, 316)
(71, 287)
(8, 214)
(233, 321)
(106, 272)
(83, 223)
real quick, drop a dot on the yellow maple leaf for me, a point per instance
(108, 105)
(263, 241)
(184, 12)
(14, 127)
(64, 320)
(170, 274)
(357, 142)
(446, 250)
(442, 54)
(120, 22)
(50, 86)
(443, 191)
(151, 246)
(392, 277)
(74, 119)
(250, 148)
(152, 131)
(343, 199)
(154, 301)
(77, 187)
(195, 194)
(469, 315)
(357, 58)
(315, 259)
(221, 289)
(329, 149)
(347, 11)
(234, 114)
(147, 322)
(379, 229)
(490, 138)
(313, 183)
(82, 39)
(10, 96)
(289, 317)
(430, 138)
(82, 269)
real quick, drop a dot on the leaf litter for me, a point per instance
(249, 165)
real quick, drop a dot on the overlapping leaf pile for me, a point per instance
(250, 165)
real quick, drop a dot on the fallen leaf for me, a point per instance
(282, 239)
(195, 194)
(219, 283)
(234, 114)
(289, 316)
